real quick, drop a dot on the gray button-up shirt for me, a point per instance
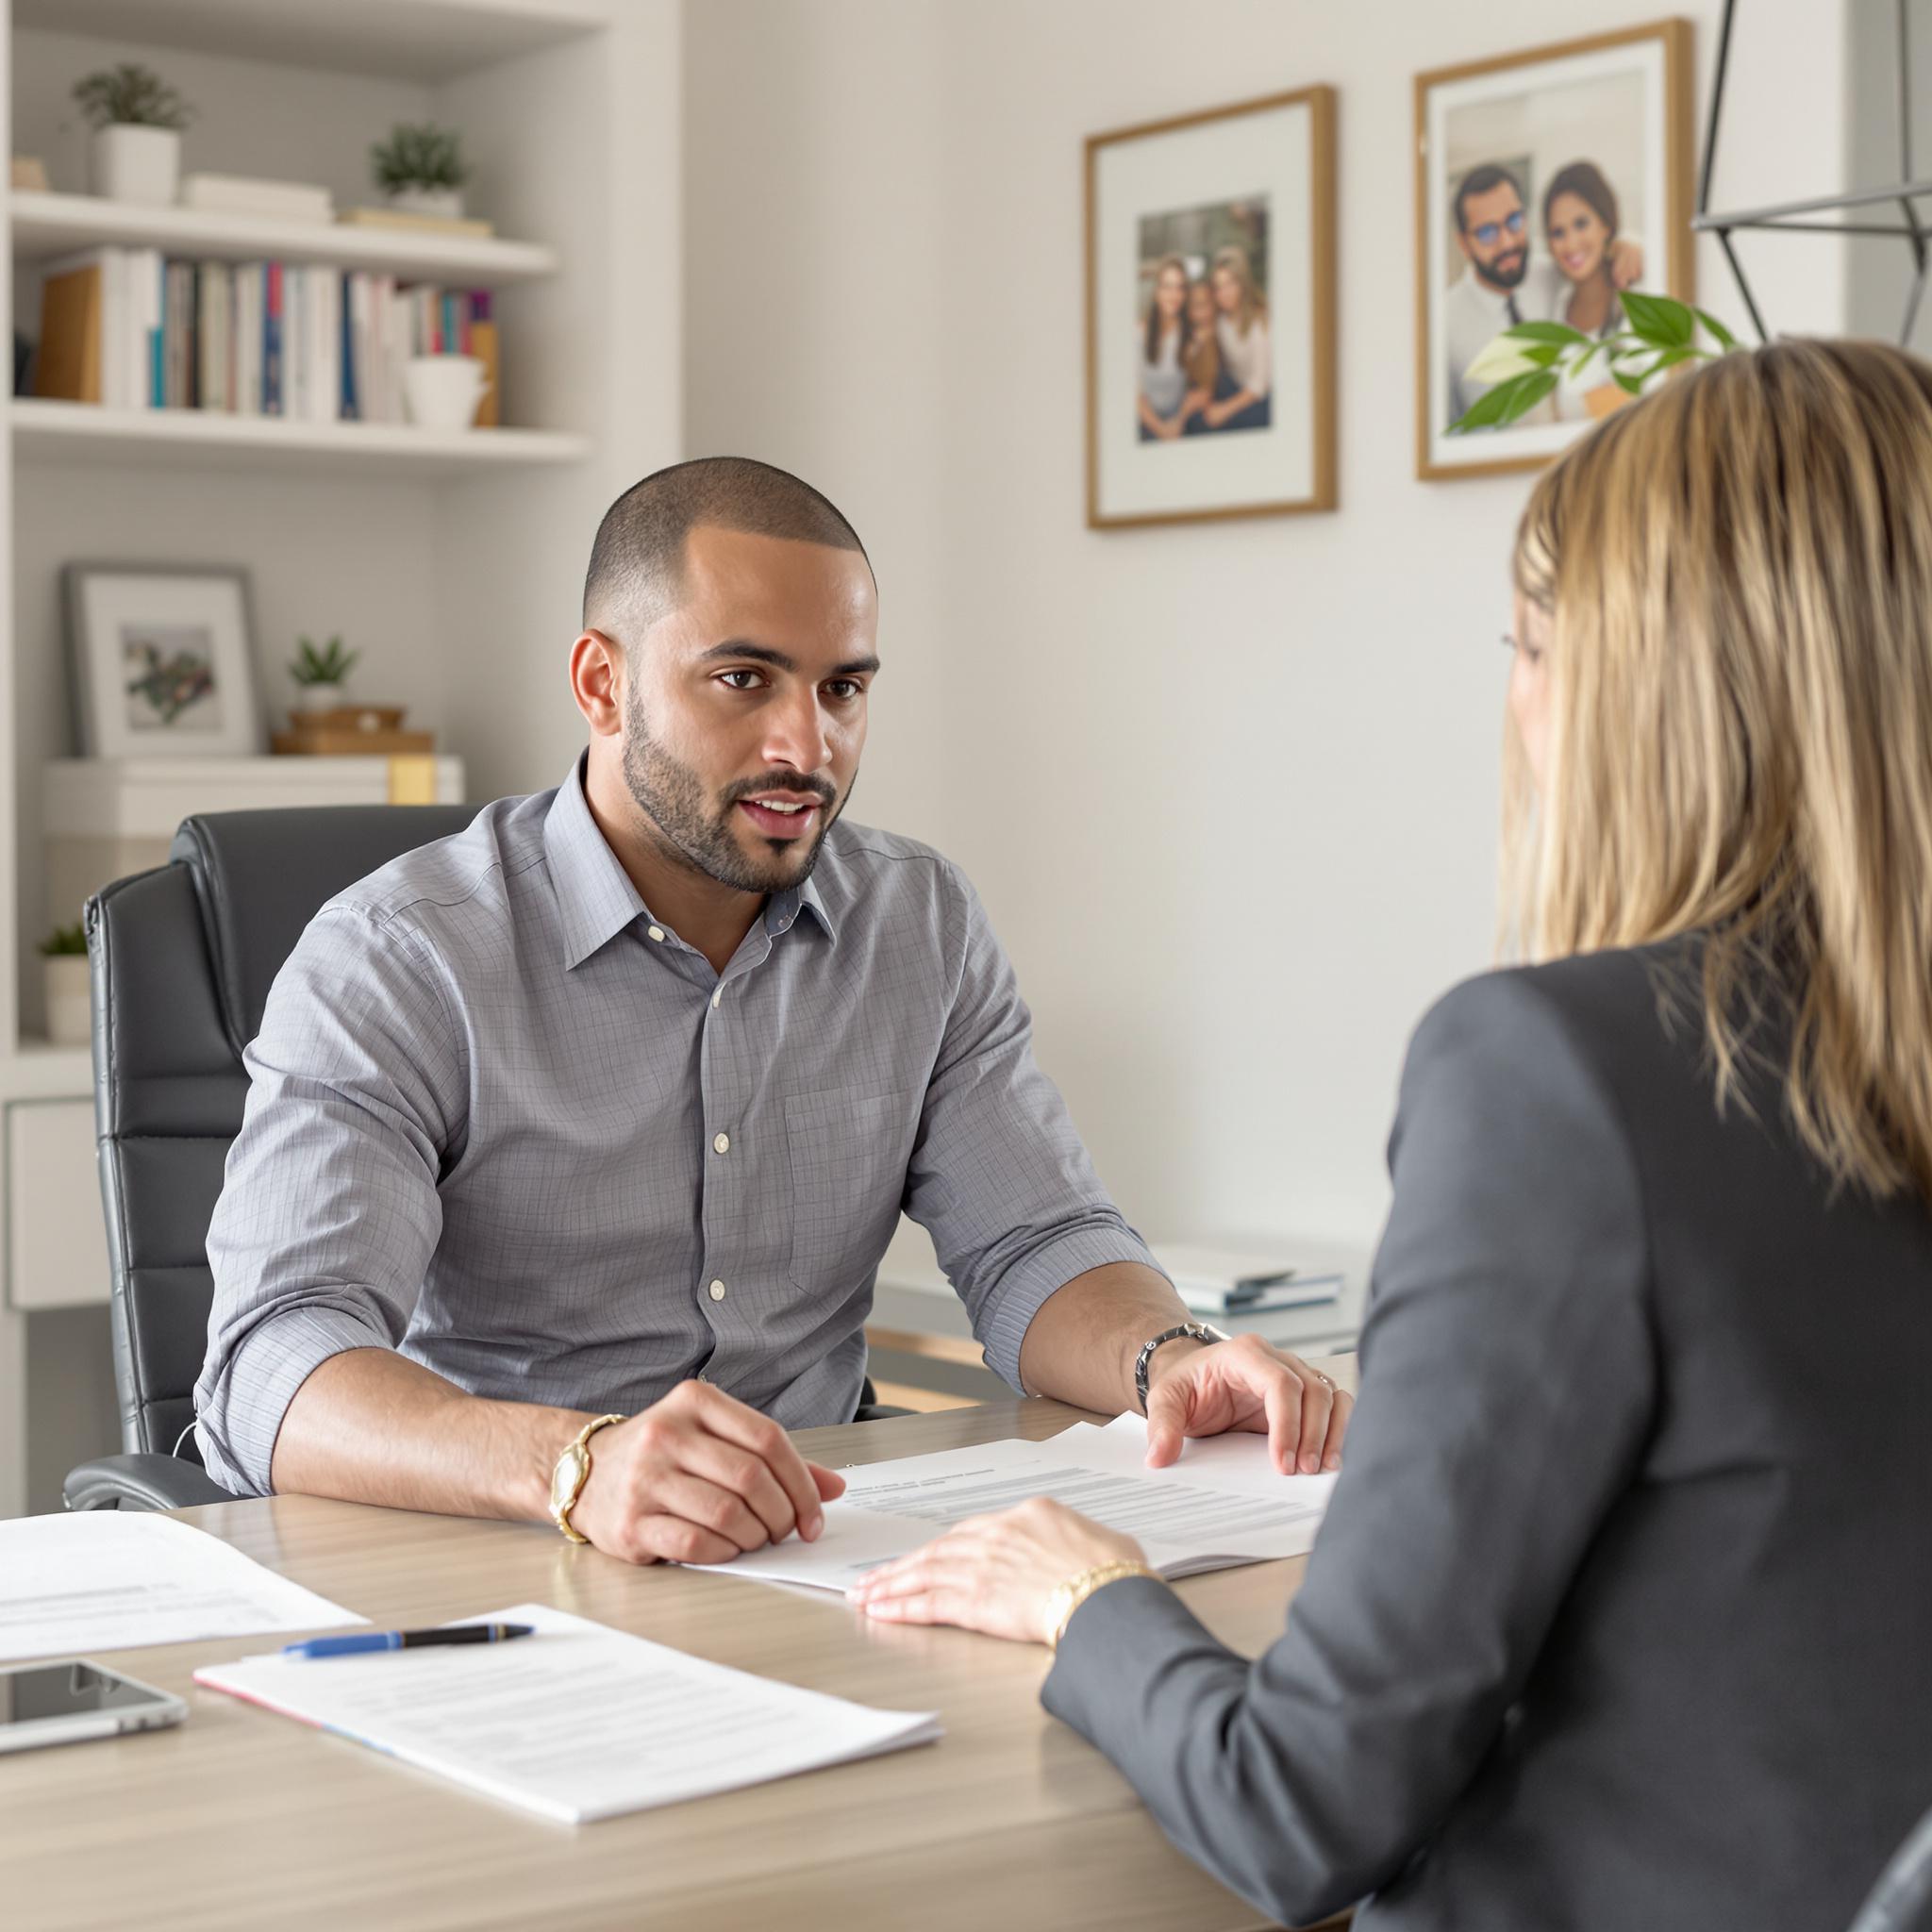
(503, 1120)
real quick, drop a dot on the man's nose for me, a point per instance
(797, 736)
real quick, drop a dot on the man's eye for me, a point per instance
(845, 687)
(725, 677)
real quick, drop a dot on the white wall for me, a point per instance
(1229, 791)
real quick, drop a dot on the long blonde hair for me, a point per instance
(1253, 304)
(1739, 574)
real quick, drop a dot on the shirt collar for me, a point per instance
(595, 896)
(787, 905)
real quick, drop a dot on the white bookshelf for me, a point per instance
(452, 561)
(87, 433)
(50, 224)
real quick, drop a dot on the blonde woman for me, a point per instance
(1620, 1615)
(1240, 332)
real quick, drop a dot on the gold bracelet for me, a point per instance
(1069, 1597)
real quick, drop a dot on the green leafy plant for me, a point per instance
(64, 941)
(1526, 363)
(329, 665)
(131, 96)
(418, 155)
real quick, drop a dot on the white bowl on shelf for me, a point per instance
(442, 391)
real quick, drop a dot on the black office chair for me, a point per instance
(182, 961)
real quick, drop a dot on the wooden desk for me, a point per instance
(239, 1821)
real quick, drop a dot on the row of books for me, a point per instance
(134, 329)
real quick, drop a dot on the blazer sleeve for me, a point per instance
(1507, 1386)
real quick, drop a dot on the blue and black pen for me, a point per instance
(407, 1640)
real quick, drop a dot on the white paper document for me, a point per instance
(1220, 1505)
(579, 1722)
(112, 1579)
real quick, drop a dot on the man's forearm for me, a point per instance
(372, 1427)
(1080, 1347)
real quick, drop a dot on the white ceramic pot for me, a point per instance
(321, 697)
(442, 391)
(445, 204)
(70, 1016)
(140, 164)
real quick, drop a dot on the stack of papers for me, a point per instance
(1221, 1505)
(579, 1722)
(1221, 1281)
(112, 1579)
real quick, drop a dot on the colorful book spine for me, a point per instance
(272, 342)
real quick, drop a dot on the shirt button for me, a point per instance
(718, 997)
(721, 1145)
(717, 1291)
(657, 932)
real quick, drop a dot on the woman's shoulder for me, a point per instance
(1584, 1017)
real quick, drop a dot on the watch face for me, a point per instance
(566, 1476)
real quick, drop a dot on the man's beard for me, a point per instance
(1500, 277)
(670, 797)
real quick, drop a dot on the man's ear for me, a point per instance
(1462, 243)
(596, 681)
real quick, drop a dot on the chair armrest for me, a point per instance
(879, 1412)
(140, 1482)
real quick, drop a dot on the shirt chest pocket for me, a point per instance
(848, 1152)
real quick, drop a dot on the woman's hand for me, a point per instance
(995, 1573)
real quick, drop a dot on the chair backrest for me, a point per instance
(182, 961)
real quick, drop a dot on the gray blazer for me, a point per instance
(1622, 1614)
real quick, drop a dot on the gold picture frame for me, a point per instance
(1271, 174)
(1648, 66)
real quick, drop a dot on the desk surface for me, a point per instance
(239, 1819)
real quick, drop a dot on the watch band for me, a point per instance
(1193, 1331)
(577, 1451)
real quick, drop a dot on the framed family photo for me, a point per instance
(1547, 182)
(1210, 314)
(161, 662)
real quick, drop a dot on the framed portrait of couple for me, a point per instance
(1547, 182)
(1210, 314)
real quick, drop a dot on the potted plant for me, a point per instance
(137, 121)
(421, 169)
(321, 676)
(70, 1014)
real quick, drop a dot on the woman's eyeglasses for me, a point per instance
(1491, 231)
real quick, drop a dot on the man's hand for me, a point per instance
(1206, 1390)
(697, 1477)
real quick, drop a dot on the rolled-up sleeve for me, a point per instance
(999, 1177)
(330, 1212)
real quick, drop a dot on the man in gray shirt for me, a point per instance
(572, 1143)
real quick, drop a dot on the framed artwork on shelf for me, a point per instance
(1210, 314)
(1547, 182)
(161, 660)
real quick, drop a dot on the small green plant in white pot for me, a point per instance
(322, 677)
(136, 118)
(63, 957)
(421, 169)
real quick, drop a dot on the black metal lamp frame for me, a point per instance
(1790, 217)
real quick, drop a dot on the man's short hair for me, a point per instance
(1479, 181)
(637, 563)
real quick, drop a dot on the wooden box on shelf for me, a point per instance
(351, 731)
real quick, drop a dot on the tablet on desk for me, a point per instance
(70, 1701)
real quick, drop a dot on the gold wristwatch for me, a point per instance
(571, 1473)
